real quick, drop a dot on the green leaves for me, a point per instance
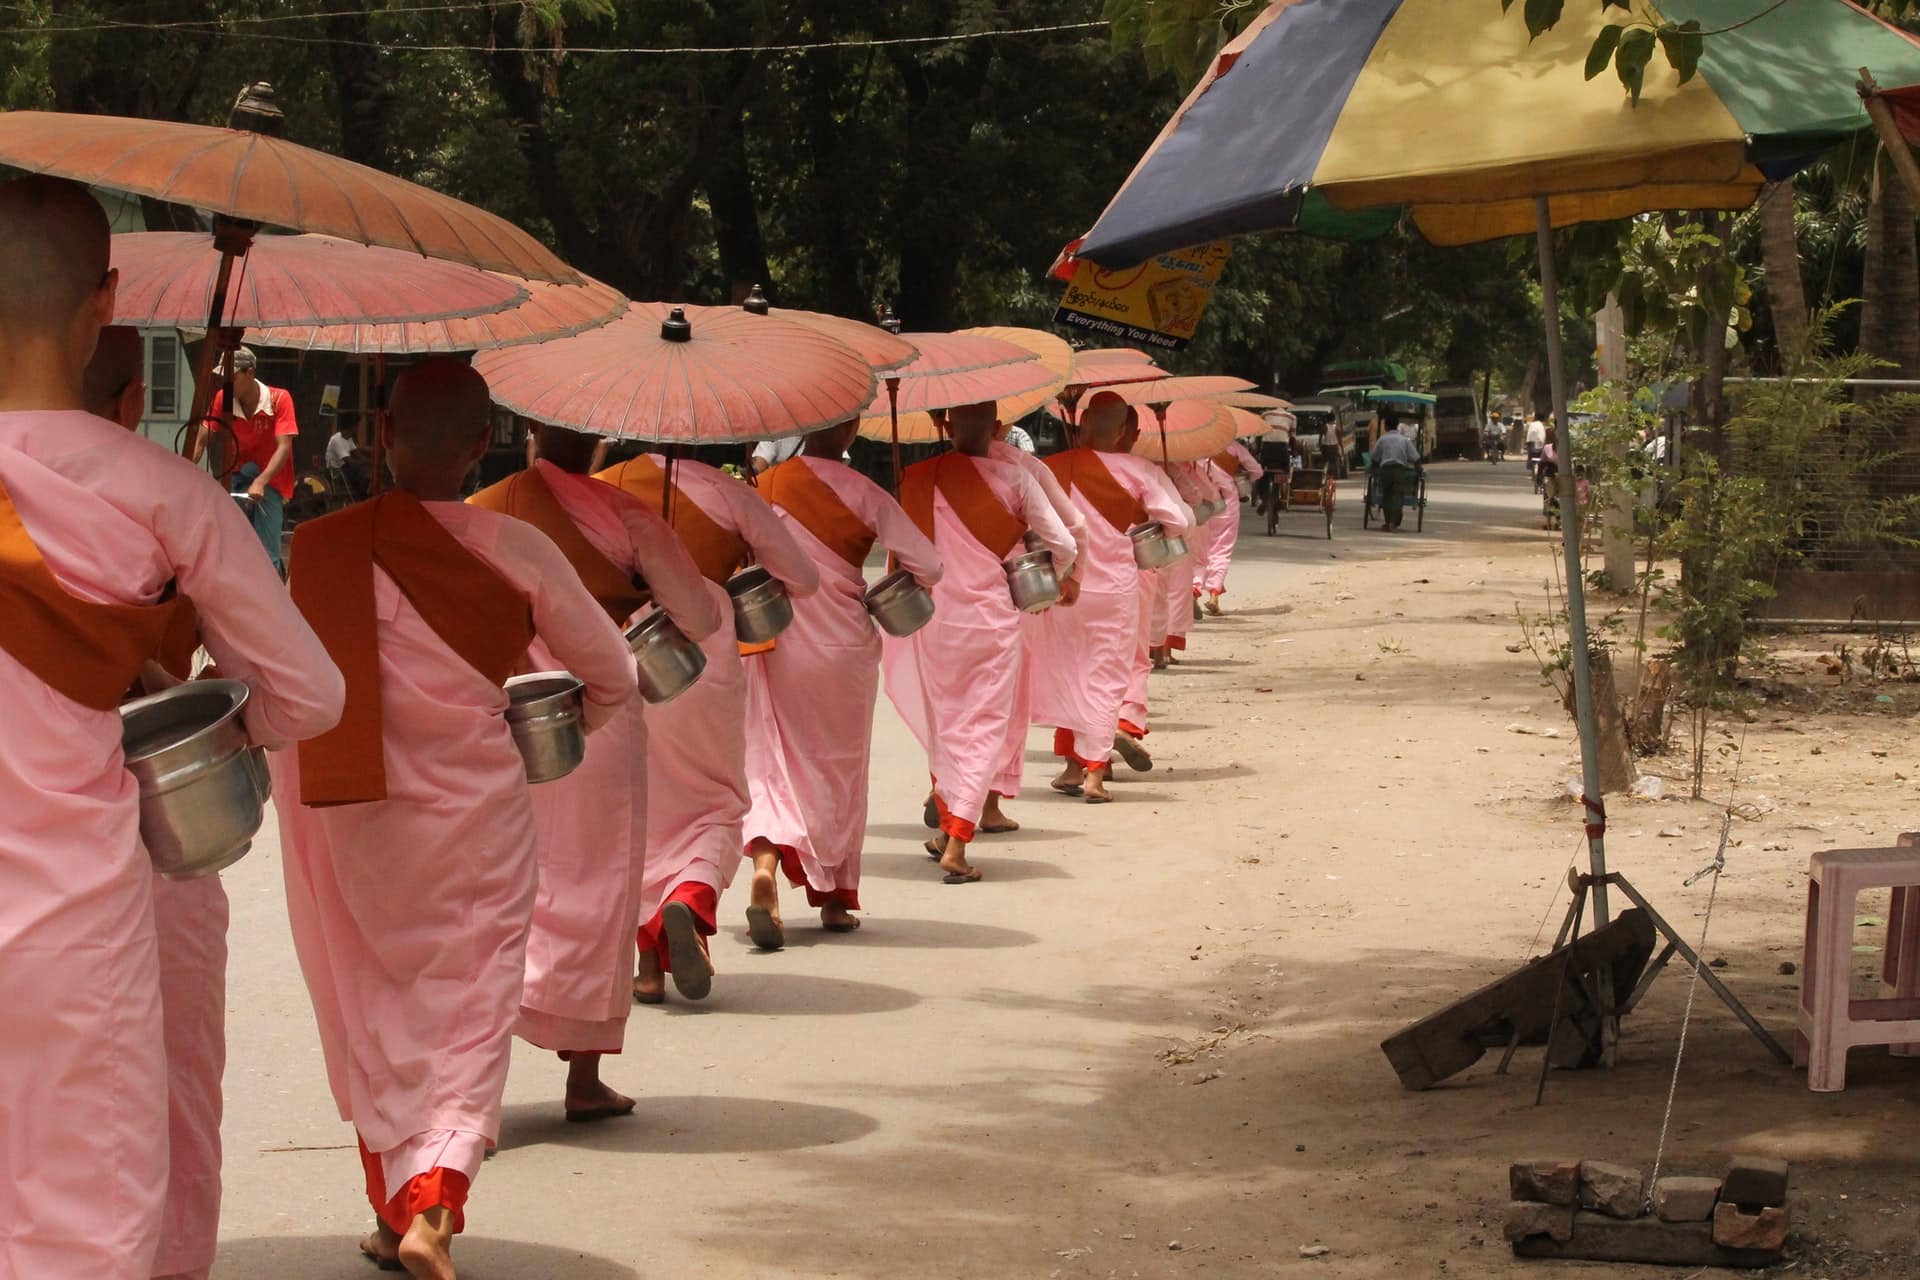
(1542, 15)
(1630, 63)
(1683, 46)
(1604, 46)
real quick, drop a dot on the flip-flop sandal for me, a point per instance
(649, 997)
(935, 849)
(1093, 797)
(592, 1115)
(691, 968)
(930, 816)
(1130, 751)
(1009, 829)
(1067, 788)
(840, 928)
(957, 877)
(379, 1262)
(765, 930)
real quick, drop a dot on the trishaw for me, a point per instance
(1417, 499)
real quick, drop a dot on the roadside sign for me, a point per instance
(1156, 304)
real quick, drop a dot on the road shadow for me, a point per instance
(300, 1257)
(754, 993)
(920, 834)
(895, 933)
(675, 1126)
(917, 866)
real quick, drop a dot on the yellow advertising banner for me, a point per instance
(1156, 304)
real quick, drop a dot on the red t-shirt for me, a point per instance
(256, 434)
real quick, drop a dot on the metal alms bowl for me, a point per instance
(202, 784)
(899, 604)
(1031, 579)
(761, 609)
(1206, 509)
(668, 662)
(1154, 547)
(544, 712)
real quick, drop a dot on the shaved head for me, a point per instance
(440, 407)
(570, 450)
(1104, 420)
(54, 246)
(118, 362)
(973, 417)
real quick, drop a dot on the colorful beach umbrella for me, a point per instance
(1330, 116)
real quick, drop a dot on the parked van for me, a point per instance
(1457, 422)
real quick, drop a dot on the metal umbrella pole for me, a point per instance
(893, 413)
(1583, 708)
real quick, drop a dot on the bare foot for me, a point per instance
(954, 863)
(936, 848)
(763, 908)
(1159, 656)
(649, 983)
(588, 1098)
(1070, 779)
(1097, 787)
(1213, 604)
(835, 918)
(383, 1246)
(993, 821)
(426, 1251)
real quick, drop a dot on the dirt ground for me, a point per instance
(1147, 1044)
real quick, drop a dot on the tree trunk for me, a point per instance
(736, 215)
(1780, 250)
(1890, 310)
(365, 93)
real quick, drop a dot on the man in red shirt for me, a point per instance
(263, 431)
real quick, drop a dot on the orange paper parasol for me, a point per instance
(1170, 389)
(685, 375)
(167, 281)
(1192, 430)
(881, 350)
(951, 369)
(550, 311)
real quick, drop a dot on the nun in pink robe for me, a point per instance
(1013, 761)
(697, 747)
(410, 915)
(1084, 656)
(1226, 526)
(956, 681)
(592, 824)
(810, 700)
(1195, 482)
(84, 1068)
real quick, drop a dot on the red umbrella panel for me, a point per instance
(684, 375)
(549, 311)
(167, 280)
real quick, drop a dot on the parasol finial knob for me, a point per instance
(756, 302)
(258, 111)
(889, 321)
(675, 327)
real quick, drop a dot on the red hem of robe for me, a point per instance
(1063, 747)
(701, 900)
(797, 877)
(442, 1188)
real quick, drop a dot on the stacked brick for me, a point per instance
(1600, 1212)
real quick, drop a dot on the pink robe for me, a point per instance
(591, 825)
(1195, 482)
(410, 914)
(1083, 656)
(1225, 528)
(697, 749)
(1014, 758)
(190, 919)
(956, 681)
(810, 700)
(84, 1073)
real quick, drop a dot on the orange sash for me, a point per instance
(960, 483)
(83, 650)
(1228, 461)
(527, 496)
(718, 551)
(182, 639)
(798, 490)
(479, 615)
(1084, 470)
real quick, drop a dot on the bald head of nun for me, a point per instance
(114, 386)
(437, 428)
(971, 425)
(56, 289)
(1103, 419)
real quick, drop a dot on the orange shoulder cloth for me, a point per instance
(1086, 471)
(717, 550)
(1228, 461)
(85, 651)
(959, 481)
(527, 496)
(798, 490)
(479, 615)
